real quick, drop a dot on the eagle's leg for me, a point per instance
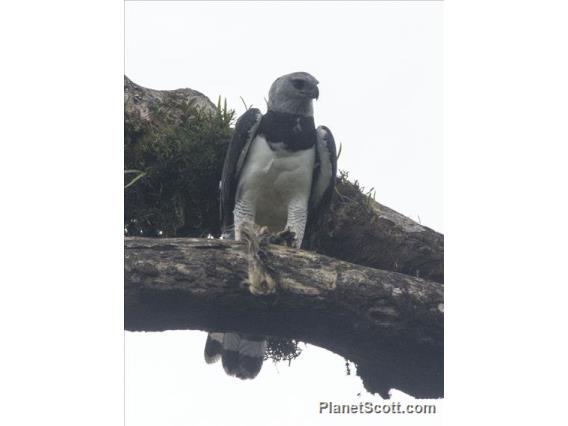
(297, 218)
(244, 212)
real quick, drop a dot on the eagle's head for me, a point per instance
(293, 94)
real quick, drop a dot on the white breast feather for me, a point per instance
(272, 179)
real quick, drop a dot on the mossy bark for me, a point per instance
(178, 139)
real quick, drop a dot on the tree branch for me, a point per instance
(360, 230)
(389, 324)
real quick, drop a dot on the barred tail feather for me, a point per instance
(243, 355)
(213, 347)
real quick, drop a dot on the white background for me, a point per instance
(504, 179)
(168, 382)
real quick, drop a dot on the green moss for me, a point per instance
(281, 349)
(173, 172)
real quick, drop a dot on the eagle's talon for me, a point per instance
(286, 238)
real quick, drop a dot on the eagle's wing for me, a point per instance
(325, 170)
(245, 131)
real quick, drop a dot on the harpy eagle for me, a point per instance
(279, 172)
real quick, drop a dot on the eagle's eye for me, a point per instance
(298, 84)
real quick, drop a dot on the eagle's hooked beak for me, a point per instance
(316, 93)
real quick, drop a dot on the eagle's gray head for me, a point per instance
(293, 94)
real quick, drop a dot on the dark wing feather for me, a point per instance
(245, 131)
(325, 171)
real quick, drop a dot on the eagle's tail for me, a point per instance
(242, 354)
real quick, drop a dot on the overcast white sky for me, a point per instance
(168, 383)
(380, 70)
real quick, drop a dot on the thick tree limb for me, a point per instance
(389, 324)
(162, 108)
(360, 230)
